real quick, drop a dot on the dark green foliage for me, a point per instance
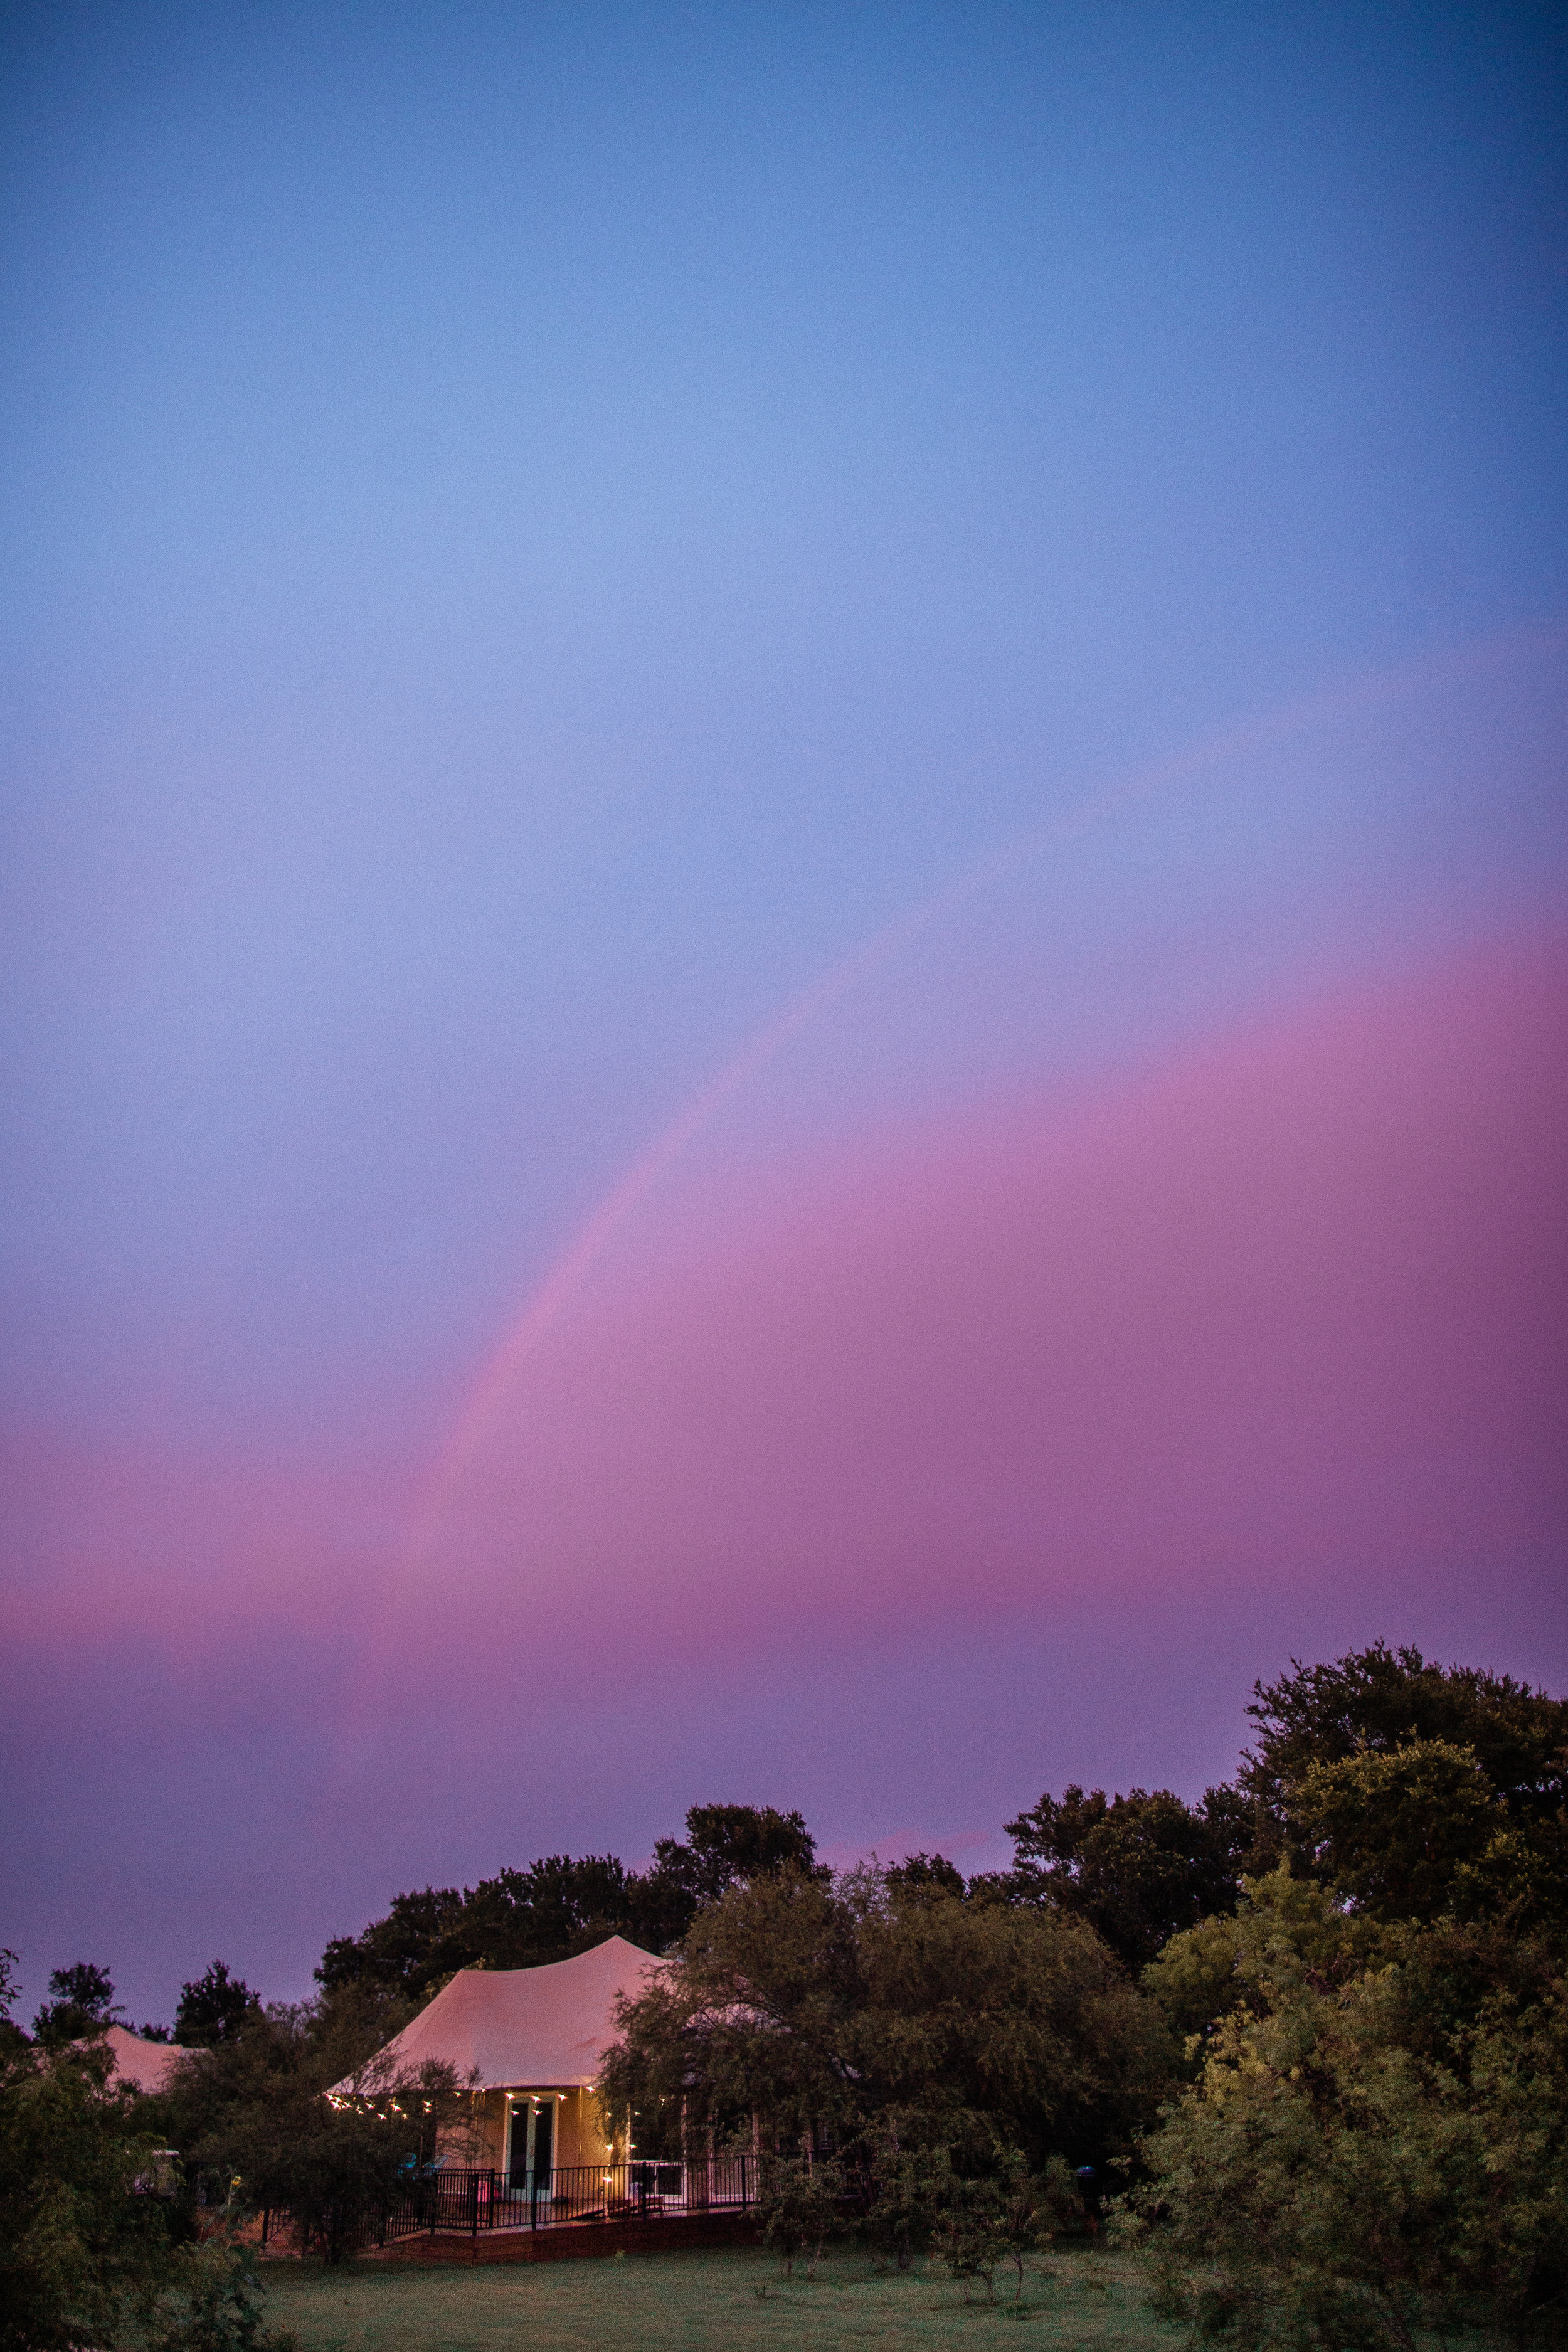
(1373, 2143)
(968, 2233)
(11, 2034)
(559, 1906)
(1378, 1700)
(1003, 2215)
(1377, 2144)
(927, 2021)
(729, 1845)
(906, 2188)
(920, 1875)
(1414, 1788)
(1139, 1868)
(83, 2003)
(1019, 2018)
(1033, 2206)
(408, 1948)
(515, 1920)
(1202, 1973)
(215, 2304)
(214, 2008)
(80, 2252)
(799, 2205)
(1408, 1833)
(251, 2116)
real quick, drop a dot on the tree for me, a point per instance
(1283, 1928)
(1411, 1832)
(1019, 2018)
(798, 2206)
(1003, 2217)
(214, 2008)
(907, 2189)
(1378, 1700)
(413, 1949)
(83, 2004)
(275, 2114)
(555, 1907)
(11, 2034)
(969, 2234)
(79, 2251)
(1377, 2142)
(920, 1875)
(730, 1845)
(928, 2021)
(560, 1906)
(214, 2304)
(1033, 2206)
(1139, 1868)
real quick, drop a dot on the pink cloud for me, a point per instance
(1292, 1307)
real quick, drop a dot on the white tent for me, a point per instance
(534, 2029)
(145, 2064)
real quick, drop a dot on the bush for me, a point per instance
(263, 2108)
(80, 2252)
(909, 2188)
(799, 2206)
(213, 2303)
(1372, 2154)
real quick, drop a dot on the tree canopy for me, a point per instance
(1377, 1700)
(560, 1906)
(214, 2008)
(80, 2251)
(1138, 1867)
(252, 2114)
(1413, 1788)
(82, 2002)
(1376, 2145)
(868, 2009)
(1343, 1975)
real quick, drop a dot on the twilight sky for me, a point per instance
(785, 947)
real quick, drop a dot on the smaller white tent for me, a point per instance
(148, 2064)
(537, 2029)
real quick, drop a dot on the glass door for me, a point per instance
(518, 2119)
(530, 2147)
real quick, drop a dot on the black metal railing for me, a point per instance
(452, 2200)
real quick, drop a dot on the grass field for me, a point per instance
(729, 2301)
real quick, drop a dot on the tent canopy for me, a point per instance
(146, 2063)
(524, 2029)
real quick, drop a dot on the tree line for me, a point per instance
(1410, 1787)
(1313, 2028)
(1309, 2031)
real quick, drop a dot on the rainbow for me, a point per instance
(543, 1307)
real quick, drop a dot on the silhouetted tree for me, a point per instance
(1376, 2152)
(214, 2008)
(1379, 1700)
(252, 2115)
(725, 1846)
(876, 2014)
(79, 2253)
(83, 2003)
(1138, 1867)
(560, 1906)
(920, 1875)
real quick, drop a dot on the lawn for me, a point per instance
(728, 2301)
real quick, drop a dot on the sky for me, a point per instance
(785, 959)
